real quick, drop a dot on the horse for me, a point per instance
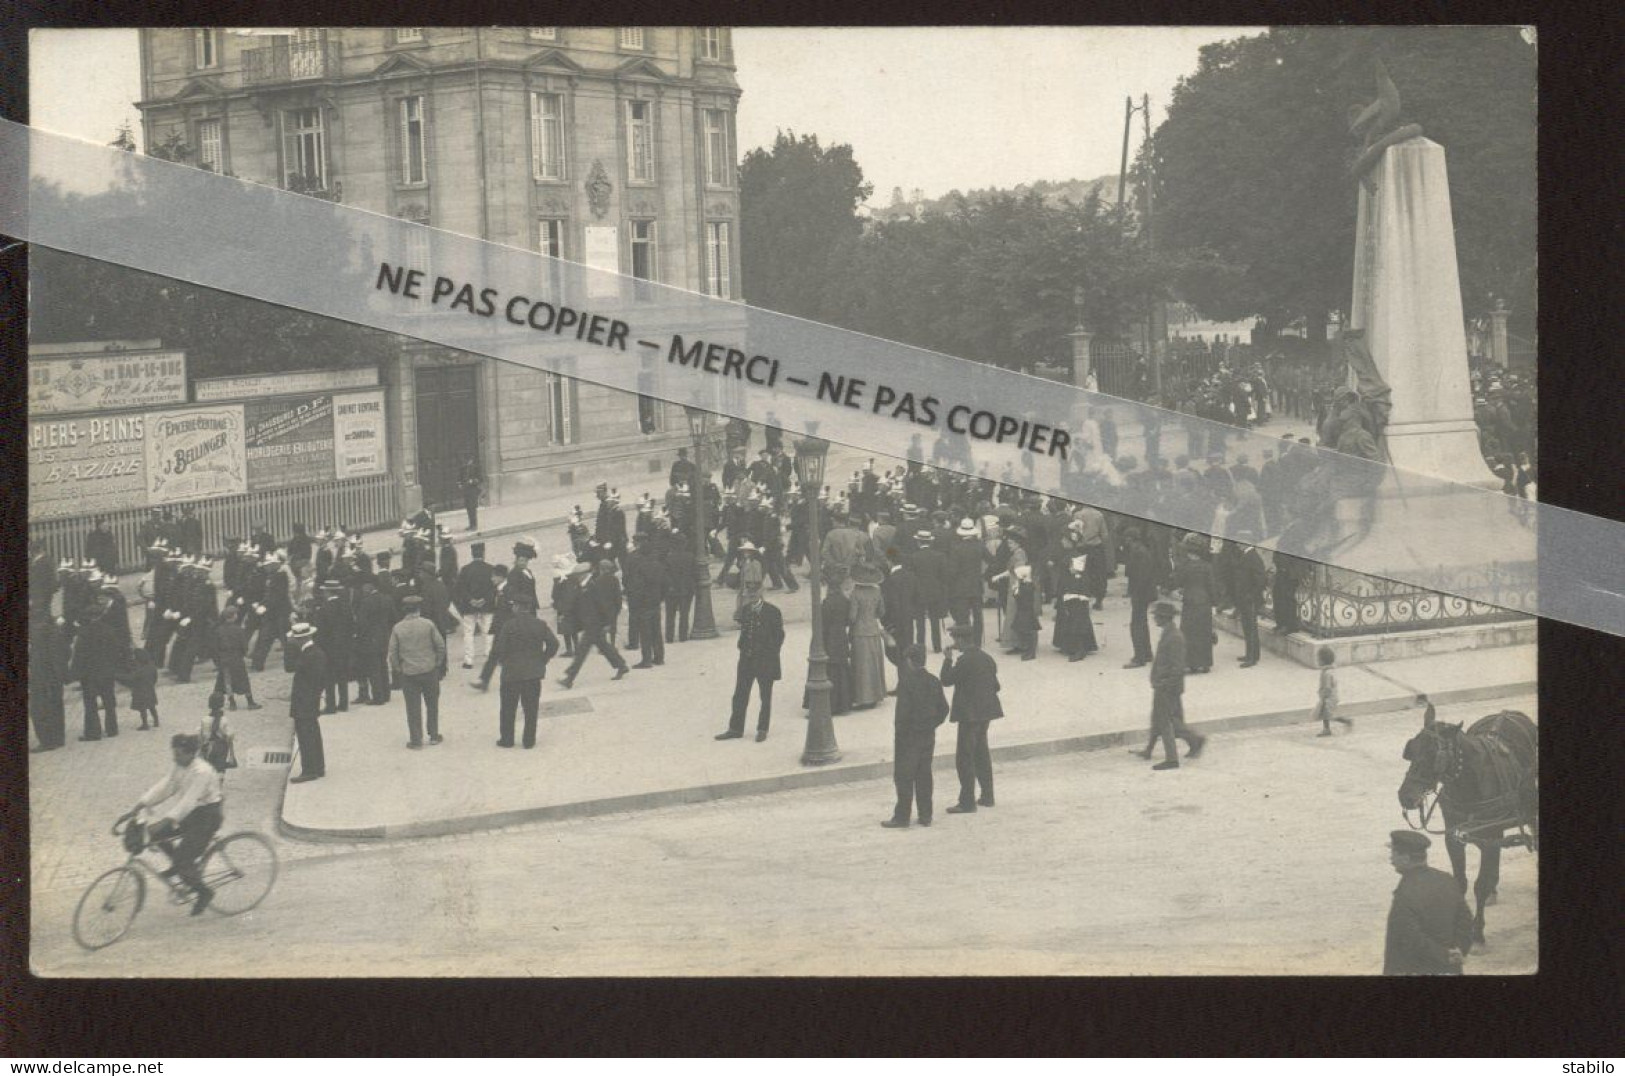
(1488, 783)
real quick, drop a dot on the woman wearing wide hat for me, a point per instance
(868, 638)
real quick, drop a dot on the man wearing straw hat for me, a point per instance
(966, 557)
(302, 657)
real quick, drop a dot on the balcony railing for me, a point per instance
(294, 62)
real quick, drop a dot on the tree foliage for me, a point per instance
(997, 278)
(798, 205)
(1251, 163)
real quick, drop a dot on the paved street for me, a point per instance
(1268, 856)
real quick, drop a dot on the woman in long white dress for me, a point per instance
(868, 638)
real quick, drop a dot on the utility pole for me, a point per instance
(1153, 341)
(1122, 168)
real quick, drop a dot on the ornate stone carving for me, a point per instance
(598, 189)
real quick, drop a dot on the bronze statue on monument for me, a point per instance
(1379, 124)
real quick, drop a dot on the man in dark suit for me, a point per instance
(1248, 578)
(900, 597)
(930, 567)
(374, 619)
(46, 674)
(100, 547)
(1430, 930)
(98, 657)
(681, 569)
(596, 609)
(335, 633)
(190, 532)
(761, 636)
(523, 650)
(645, 590)
(476, 599)
(920, 709)
(1141, 569)
(974, 676)
(1167, 693)
(305, 660)
(683, 471)
(966, 557)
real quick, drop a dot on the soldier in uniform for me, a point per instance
(1430, 930)
(276, 609)
(199, 615)
(610, 529)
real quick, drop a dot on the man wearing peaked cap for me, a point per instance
(1430, 930)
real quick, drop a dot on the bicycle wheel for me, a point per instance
(108, 907)
(240, 869)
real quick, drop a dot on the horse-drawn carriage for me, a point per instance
(1484, 782)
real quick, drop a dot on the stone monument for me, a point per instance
(1407, 313)
(1407, 298)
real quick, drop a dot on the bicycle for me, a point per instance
(240, 867)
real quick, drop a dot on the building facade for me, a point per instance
(613, 147)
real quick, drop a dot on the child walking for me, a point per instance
(143, 681)
(218, 743)
(1326, 706)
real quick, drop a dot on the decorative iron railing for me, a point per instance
(1334, 602)
(292, 62)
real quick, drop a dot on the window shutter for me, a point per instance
(537, 138)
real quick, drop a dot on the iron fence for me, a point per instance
(357, 503)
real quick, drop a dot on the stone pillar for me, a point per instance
(1407, 296)
(1498, 334)
(1082, 357)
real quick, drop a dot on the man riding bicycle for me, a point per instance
(191, 799)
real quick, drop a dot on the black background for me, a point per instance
(1571, 1008)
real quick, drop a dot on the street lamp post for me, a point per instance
(821, 747)
(705, 624)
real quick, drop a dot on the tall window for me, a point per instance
(562, 401)
(631, 37)
(719, 162)
(547, 135)
(414, 146)
(550, 241)
(206, 48)
(418, 244)
(406, 35)
(640, 141)
(711, 46)
(718, 259)
(543, 33)
(644, 256)
(304, 150)
(209, 153)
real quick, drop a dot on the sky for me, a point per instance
(924, 107)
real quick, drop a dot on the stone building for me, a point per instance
(511, 134)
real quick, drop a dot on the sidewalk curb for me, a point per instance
(815, 778)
